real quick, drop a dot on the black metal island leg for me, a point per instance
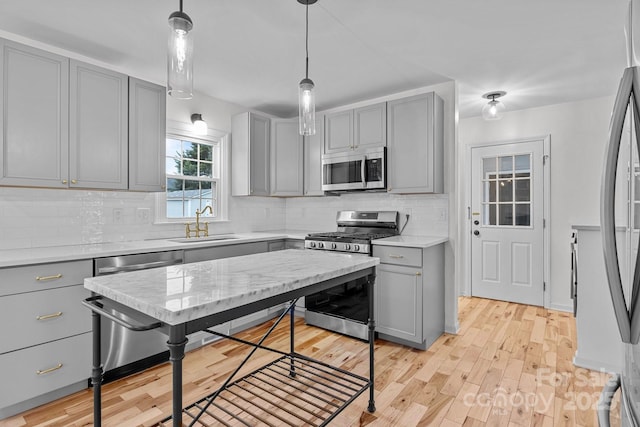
(96, 372)
(177, 342)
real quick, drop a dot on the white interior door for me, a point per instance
(507, 242)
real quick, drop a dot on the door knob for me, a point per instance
(476, 222)
(476, 233)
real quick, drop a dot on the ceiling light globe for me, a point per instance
(494, 109)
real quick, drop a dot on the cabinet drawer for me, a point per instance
(398, 255)
(23, 369)
(39, 277)
(38, 317)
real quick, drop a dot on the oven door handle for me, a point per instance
(363, 171)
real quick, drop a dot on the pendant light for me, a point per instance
(494, 109)
(180, 56)
(306, 89)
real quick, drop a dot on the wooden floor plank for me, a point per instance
(510, 365)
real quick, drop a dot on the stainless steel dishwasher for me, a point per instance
(124, 351)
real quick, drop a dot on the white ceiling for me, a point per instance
(251, 52)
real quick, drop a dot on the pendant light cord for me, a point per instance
(306, 40)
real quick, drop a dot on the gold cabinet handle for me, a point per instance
(46, 371)
(396, 256)
(64, 181)
(418, 273)
(49, 316)
(43, 278)
(74, 181)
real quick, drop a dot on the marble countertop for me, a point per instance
(180, 293)
(18, 257)
(411, 241)
(594, 227)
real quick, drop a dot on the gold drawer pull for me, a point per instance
(418, 274)
(43, 278)
(46, 371)
(396, 256)
(49, 316)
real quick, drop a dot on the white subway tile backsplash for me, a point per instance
(47, 217)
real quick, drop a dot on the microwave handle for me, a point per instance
(363, 171)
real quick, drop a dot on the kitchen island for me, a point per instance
(183, 299)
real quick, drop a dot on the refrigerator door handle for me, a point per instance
(607, 205)
(604, 403)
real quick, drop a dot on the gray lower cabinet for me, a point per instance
(227, 251)
(409, 294)
(47, 352)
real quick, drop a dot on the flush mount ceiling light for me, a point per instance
(306, 89)
(199, 125)
(494, 109)
(180, 56)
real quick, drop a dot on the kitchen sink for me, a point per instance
(202, 239)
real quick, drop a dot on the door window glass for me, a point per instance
(506, 199)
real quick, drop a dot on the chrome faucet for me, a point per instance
(198, 229)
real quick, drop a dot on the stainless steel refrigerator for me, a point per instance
(624, 284)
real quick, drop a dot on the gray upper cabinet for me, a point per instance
(250, 163)
(34, 113)
(313, 149)
(68, 124)
(98, 127)
(370, 126)
(286, 158)
(147, 135)
(415, 144)
(338, 132)
(357, 129)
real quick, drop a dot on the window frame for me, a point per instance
(184, 131)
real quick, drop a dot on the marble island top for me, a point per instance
(181, 293)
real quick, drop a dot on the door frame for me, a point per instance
(465, 223)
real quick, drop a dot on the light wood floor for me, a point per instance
(510, 365)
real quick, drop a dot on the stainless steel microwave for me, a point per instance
(364, 170)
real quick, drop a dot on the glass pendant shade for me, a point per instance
(307, 107)
(493, 110)
(180, 56)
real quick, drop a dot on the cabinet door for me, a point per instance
(259, 155)
(338, 132)
(370, 126)
(415, 144)
(286, 158)
(34, 112)
(398, 302)
(147, 135)
(313, 149)
(98, 122)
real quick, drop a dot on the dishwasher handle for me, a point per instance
(94, 305)
(604, 403)
(135, 267)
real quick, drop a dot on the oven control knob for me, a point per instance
(356, 248)
(347, 247)
(312, 244)
(333, 246)
(320, 245)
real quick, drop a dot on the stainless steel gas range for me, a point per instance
(345, 308)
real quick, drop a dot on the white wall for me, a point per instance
(578, 133)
